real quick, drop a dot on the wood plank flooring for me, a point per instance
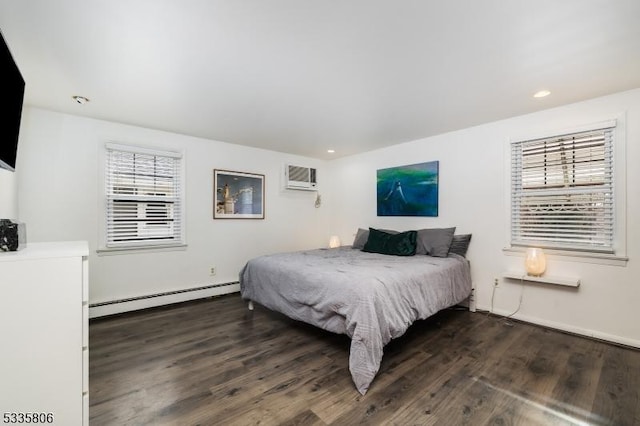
(213, 362)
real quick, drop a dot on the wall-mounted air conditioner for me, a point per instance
(298, 177)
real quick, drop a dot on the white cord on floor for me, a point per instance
(519, 303)
(493, 293)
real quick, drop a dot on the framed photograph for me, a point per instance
(238, 195)
(410, 190)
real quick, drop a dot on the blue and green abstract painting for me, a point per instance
(408, 190)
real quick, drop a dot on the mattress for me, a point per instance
(372, 298)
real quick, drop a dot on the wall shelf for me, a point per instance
(563, 281)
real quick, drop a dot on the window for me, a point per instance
(562, 191)
(143, 197)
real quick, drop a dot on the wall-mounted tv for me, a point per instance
(12, 91)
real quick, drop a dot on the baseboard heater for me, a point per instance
(166, 293)
(148, 300)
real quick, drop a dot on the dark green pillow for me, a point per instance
(401, 244)
(362, 235)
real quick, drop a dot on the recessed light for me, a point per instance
(331, 151)
(80, 99)
(541, 94)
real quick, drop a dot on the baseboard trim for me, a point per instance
(594, 334)
(111, 307)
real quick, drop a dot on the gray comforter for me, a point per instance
(370, 297)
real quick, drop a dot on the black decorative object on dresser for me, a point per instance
(13, 235)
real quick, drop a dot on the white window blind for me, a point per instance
(143, 197)
(562, 191)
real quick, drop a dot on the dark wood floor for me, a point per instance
(213, 362)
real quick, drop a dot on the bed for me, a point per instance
(371, 297)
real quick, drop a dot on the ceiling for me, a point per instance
(303, 76)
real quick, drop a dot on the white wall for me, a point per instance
(8, 195)
(474, 196)
(59, 191)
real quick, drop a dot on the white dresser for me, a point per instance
(44, 334)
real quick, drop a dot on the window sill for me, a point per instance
(135, 250)
(563, 281)
(573, 256)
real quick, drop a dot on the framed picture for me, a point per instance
(408, 190)
(237, 195)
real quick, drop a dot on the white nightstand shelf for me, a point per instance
(564, 281)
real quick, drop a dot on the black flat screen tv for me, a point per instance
(12, 96)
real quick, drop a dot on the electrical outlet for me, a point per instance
(495, 282)
(212, 270)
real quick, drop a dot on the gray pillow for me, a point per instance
(361, 239)
(460, 244)
(362, 235)
(435, 241)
